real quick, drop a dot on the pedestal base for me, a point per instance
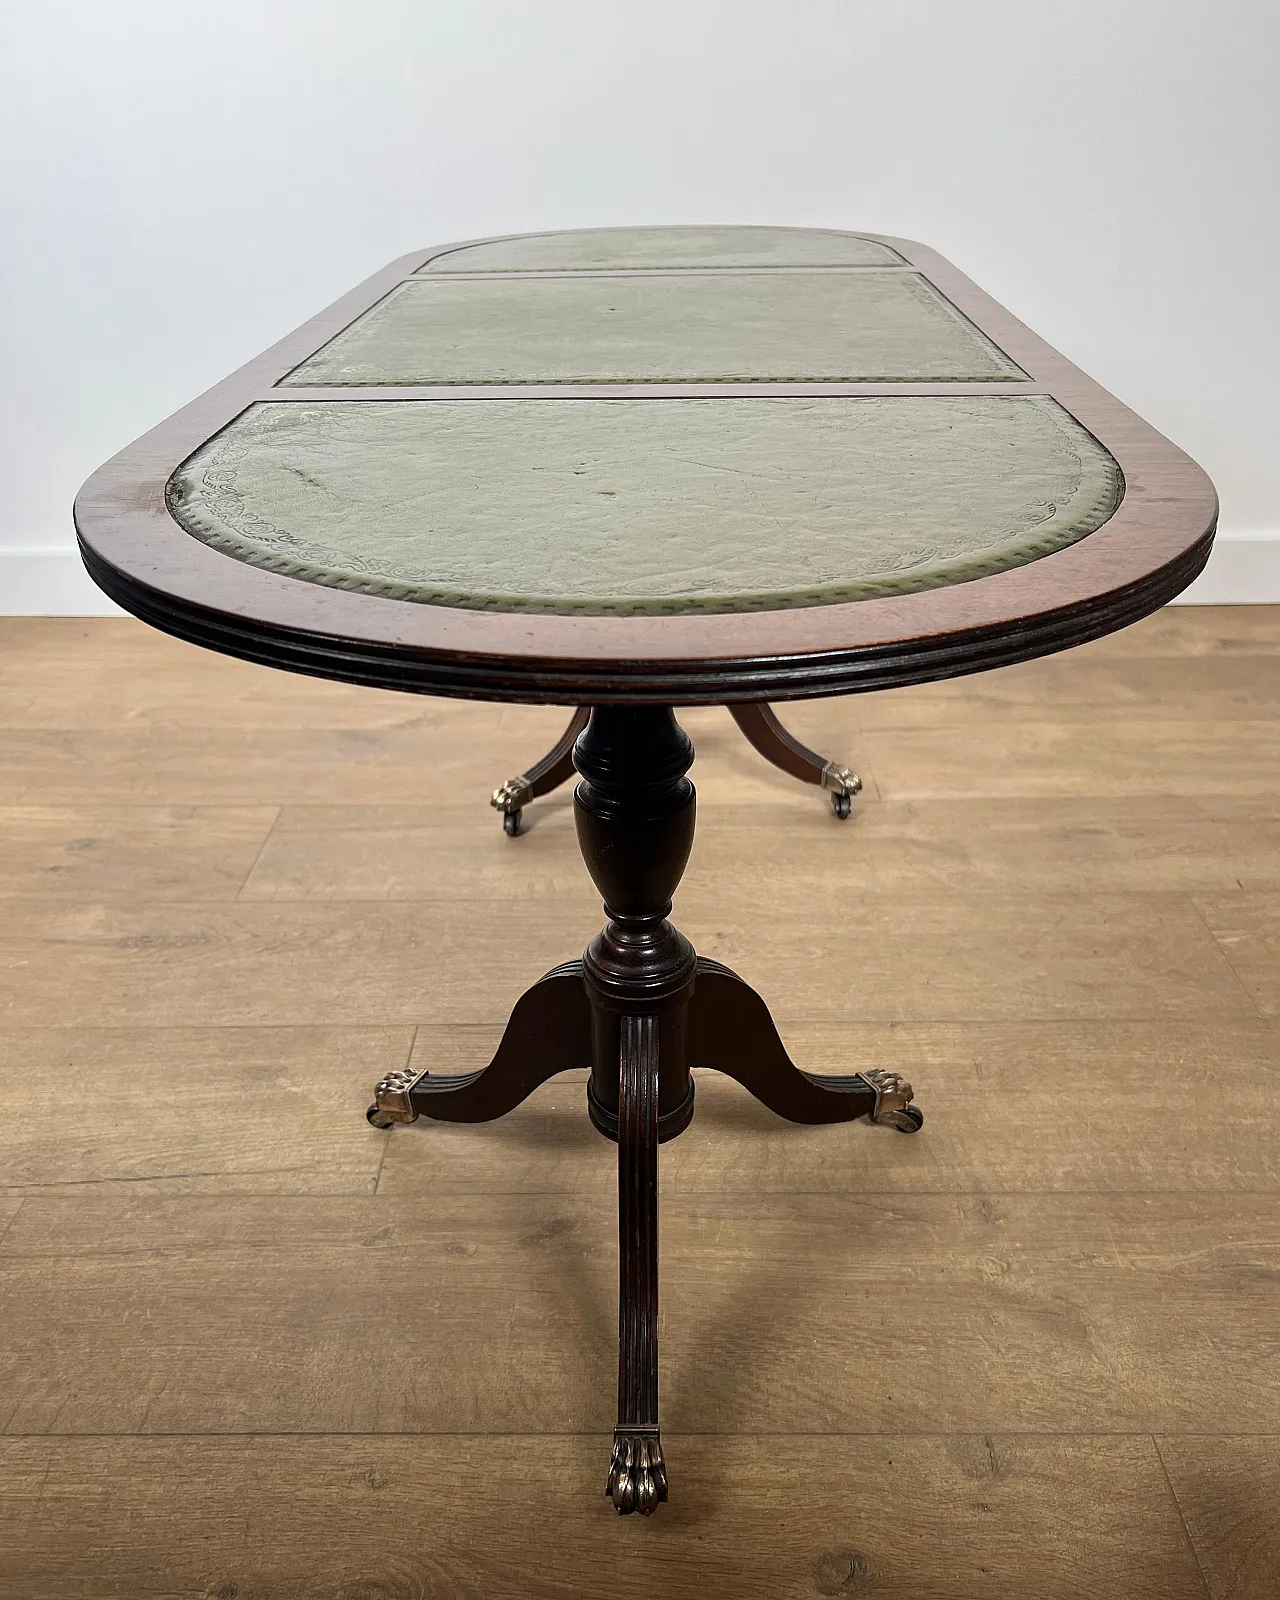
(639, 1011)
(729, 1030)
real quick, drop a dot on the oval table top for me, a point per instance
(667, 465)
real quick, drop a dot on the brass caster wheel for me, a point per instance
(393, 1099)
(893, 1108)
(842, 785)
(511, 823)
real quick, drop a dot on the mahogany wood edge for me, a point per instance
(707, 682)
(1153, 545)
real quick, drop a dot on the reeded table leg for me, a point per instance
(634, 811)
(637, 1474)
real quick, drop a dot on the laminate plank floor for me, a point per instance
(252, 1348)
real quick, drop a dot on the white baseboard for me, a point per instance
(1244, 570)
(50, 581)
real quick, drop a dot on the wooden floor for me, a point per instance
(250, 1347)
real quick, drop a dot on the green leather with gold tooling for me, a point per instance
(646, 506)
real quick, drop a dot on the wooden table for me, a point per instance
(630, 470)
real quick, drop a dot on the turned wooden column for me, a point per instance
(635, 814)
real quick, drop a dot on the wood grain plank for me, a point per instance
(456, 1518)
(1077, 686)
(357, 852)
(1099, 1107)
(828, 1313)
(1115, 758)
(144, 852)
(909, 847)
(254, 766)
(192, 1111)
(1192, 631)
(166, 965)
(1247, 928)
(1261, 810)
(880, 957)
(484, 1267)
(411, 762)
(1261, 816)
(1191, 688)
(1228, 1490)
(1042, 845)
(101, 673)
(10, 1205)
(398, 963)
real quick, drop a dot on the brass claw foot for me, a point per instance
(512, 794)
(637, 1473)
(842, 784)
(391, 1099)
(893, 1101)
(511, 798)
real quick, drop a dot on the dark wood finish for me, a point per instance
(549, 1030)
(731, 1031)
(637, 1478)
(1154, 545)
(556, 767)
(766, 734)
(642, 1008)
(634, 811)
(761, 727)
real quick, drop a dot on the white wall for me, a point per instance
(181, 183)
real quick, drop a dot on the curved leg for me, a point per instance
(731, 1031)
(542, 777)
(766, 734)
(637, 1473)
(548, 1031)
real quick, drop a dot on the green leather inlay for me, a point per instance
(594, 248)
(719, 327)
(635, 507)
